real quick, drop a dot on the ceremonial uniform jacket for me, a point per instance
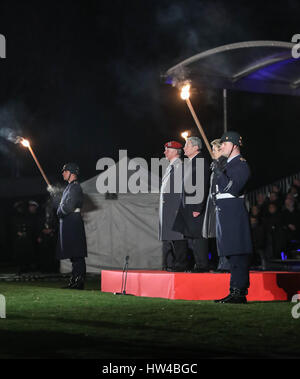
(169, 202)
(72, 239)
(185, 223)
(232, 218)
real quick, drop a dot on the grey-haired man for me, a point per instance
(190, 215)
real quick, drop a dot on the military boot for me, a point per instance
(224, 298)
(71, 283)
(236, 296)
(78, 283)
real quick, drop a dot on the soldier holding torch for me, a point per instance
(72, 239)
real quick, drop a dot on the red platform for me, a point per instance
(264, 286)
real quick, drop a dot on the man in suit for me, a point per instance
(232, 218)
(174, 244)
(190, 215)
(72, 239)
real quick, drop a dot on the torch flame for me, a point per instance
(25, 142)
(185, 92)
(185, 135)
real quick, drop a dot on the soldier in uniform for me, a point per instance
(189, 218)
(174, 244)
(72, 239)
(232, 218)
(47, 239)
(22, 238)
(33, 220)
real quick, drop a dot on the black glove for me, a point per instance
(218, 166)
(222, 162)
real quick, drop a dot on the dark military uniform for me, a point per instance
(47, 240)
(22, 238)
(232, 222)
(233, 228)
(72, 238)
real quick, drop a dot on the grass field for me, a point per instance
(45, 321)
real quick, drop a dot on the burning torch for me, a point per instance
(26, 143)
(185, 95)
(185, 135)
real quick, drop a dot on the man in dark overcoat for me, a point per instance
(190, 215)
(174, 245)
(72, 239)
(232, 218)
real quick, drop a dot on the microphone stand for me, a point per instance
(124, 274)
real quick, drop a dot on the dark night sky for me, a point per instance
(82, 80)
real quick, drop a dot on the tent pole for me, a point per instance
(225, 109)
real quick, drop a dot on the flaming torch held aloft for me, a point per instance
(185, 95)
(26, 143)
(185, 135)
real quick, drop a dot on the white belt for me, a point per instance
(227, 196)
(77, 210)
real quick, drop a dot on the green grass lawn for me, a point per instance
(45, 321)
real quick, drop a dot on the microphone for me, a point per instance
(124, 278)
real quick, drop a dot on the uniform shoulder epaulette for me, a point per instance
(242, 159)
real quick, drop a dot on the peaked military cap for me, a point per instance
(72, 167)
(232, 137)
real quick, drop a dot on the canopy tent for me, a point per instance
(254, 66)
(120, 227)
